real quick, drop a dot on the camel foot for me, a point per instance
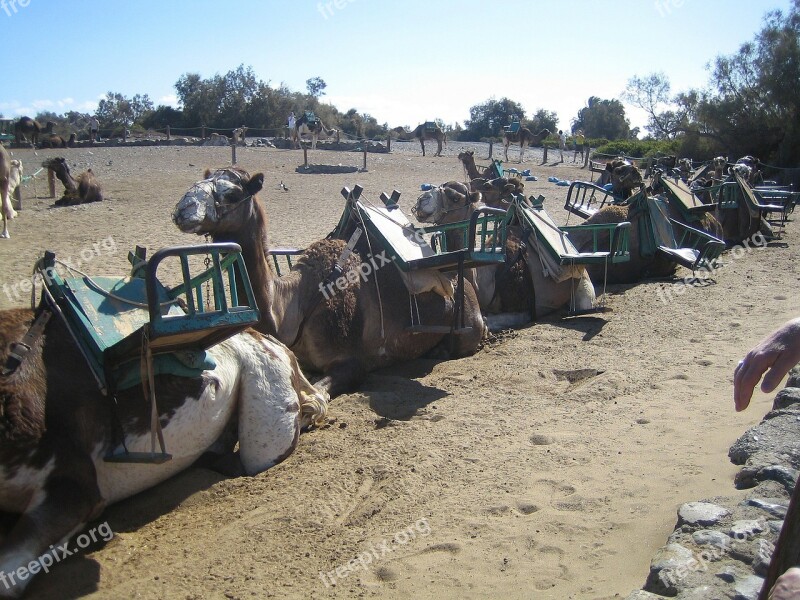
(5, 235)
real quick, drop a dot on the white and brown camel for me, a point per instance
(10, 179)
(56, 428)
(315, 129)
(345, 332)
(424, 132)
(76, 191)
(524, 137)
(519, 286)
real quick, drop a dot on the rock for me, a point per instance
(794, 377)
(775, 526)
(642, 595)
(776, 436)
(728, 574)
(671, 564)
(786, 398)
(701, 513)
(745, 529)
(749, 588)
(775, 510)
(710, 537)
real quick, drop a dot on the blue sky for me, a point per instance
(402, 61)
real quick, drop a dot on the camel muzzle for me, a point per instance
(195, 209)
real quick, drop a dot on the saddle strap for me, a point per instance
(19, 350)
(149, 385)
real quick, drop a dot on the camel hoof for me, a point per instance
(5, 235)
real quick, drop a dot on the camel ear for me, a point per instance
(255, 184)
(207, 173)
(474, 197)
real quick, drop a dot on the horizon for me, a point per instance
(367, 65)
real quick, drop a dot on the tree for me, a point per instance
(544, 119)
(487, 119)
(117, 111)
(316, 87)
(651, 93)
(603, 119)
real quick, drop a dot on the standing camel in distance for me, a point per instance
(426, 131)
(524, 137)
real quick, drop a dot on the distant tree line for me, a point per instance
(752, 106)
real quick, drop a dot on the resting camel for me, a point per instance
(56, 141)
(84, 189)
(524, 137)
(623, 176)
(343, 333)
(56, 428)
(25, 126)
(10, 178)
(423, 133)
(519, 285)
(314, 129)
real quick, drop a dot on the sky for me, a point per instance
(402, 61)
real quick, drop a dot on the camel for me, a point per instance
(10, 178)
(524, 137)
(84, 189)
(56, 141)
(492, 189)
(517, 286)
(623, 176)
(424, 132)
(56, 428)
(313, 127)
(25, 126)
(343, 331)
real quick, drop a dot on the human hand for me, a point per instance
(787, 586)
(776, 354)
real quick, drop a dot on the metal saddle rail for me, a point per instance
(585, 198)
(685, 200)
(286, 254)
(482, 237)
(618, 246)
(754, 202)
(694, 248)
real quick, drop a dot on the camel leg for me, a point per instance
(422, 143)
(439, 151)
(68, 500)
(505, 151)
(7, 210)
(521, 151)
(342, 376)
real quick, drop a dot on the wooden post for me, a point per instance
(544, 157)
(389, 144)
(18, 197)
(364, 144)
(203, 132)
(233, 150)
(51, 182)
(787, 549)
(168, 137)
(305, 156)
(491, 148)
(586, 150)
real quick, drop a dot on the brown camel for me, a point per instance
(56, 428)
(623, 176)
(26, 127)
(524, 137)
(343, 331)
(492, 189)
(56, 141)
(424, 132)
(84, 189)
(519, 285)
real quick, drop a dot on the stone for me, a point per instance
(748, 588)
(668, 568)
(643, 595)
(745, 529)
(701, 513)
(728, 574)
(710, 537)
(775, 510)
(786, 398)
(794, 377)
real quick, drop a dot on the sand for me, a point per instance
(548, 465)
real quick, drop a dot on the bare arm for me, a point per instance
(775, 355)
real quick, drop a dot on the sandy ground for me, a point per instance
(549, 465)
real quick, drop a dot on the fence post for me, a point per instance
(168, 132)
(544, 157)
(51, 182)
(586, 155)
(305, 156)
(364, 144)
(233, 150)
(389, 144)
(203, 132)
(491, 148)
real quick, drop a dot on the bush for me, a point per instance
(639, 148)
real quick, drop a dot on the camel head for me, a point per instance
(59, 166)
(624, 177)
(720, 162)
(496, 191)
(450, 198)
(219, 202)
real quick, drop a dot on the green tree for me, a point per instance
(666, 116)
(316, 87)
(117, 111)
(487, 119)
(603, 119)
(543, 119)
